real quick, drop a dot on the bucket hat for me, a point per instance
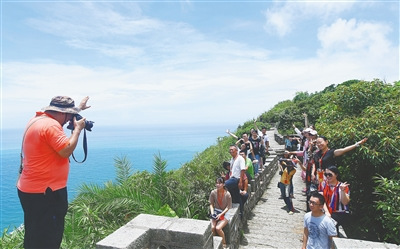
(62, 104)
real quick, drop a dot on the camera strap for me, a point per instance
(84, 148)
(21, 166)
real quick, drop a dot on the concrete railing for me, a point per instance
(158, 232)
(279, 138)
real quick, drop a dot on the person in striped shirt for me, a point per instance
(337, 196)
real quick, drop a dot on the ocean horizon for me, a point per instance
(175, 144)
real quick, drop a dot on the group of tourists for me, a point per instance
(247, 158)
(327, 197)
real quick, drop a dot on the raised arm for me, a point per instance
(305, 119)
(298, 132)
(342, 151)
(300, 163)
(255, 124)
(344, 197)
(230, 133)
(83, 105)
(73, 139)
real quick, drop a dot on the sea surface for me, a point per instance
(177, 145)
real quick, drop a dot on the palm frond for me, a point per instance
(123, 167)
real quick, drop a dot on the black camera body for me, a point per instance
(88, 124)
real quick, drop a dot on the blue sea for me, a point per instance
(177, 145)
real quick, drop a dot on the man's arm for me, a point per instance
(83, 105)
(73, 140)
(305, 238)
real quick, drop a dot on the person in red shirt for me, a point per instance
(337, 197)
(42, 183)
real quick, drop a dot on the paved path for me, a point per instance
(270, 225)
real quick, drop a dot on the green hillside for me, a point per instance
(343, 113)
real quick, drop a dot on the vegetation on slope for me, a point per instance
(344, 113)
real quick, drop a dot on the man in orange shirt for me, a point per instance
(42, 185)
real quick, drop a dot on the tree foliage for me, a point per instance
(345, 114)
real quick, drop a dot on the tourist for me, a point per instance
(245, 181)
(220, 202)
(337, 196)
(245, 144)
(288, 143)
(238, 168)
(288, 171)
(295, 142)
(227, 166)
(264, 150)
(326, 156)
(247, 177)
(287, 158)
(249, 165)
(255, 155)
(318, 227)
(42, 184)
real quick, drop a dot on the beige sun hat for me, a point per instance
(62, 104)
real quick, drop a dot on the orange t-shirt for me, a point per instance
(43, 166)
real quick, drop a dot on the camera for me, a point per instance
(88, 124)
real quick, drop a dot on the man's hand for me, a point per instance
(83, 103)
(79, 124)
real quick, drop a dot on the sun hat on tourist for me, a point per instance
(313, 132)
(62, 104)
(307, 130)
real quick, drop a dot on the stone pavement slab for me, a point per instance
(270, 225)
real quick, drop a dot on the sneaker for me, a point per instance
(291, 212)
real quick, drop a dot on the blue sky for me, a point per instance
(188, 62)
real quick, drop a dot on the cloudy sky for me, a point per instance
(187, 62)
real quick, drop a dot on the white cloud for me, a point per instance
(352, 36)
(170, 72)
(94, 20)
(284, 17)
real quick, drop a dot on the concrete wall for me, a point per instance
(279, 138)
(158, 232)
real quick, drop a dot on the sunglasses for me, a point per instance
(328, 174)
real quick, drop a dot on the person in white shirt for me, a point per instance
(236, 175)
